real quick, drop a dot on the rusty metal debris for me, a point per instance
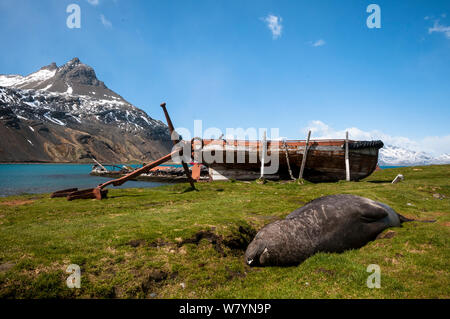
(100, 192)
(176, 139)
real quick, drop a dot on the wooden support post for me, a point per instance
(287, 160)
(263, 154)
(305, 154)
(347, 159)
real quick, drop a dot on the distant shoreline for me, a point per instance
(107, 164)
(75, 163)
(43, 163)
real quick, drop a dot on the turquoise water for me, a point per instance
(16, 179)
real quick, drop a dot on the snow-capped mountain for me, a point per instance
(73, 77)
(442, 159)
(397, 156)
(65, 114)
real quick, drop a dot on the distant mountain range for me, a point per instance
(65, 114)
(397, 156)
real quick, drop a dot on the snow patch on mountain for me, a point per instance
(10, 80)
(63, 109)
(19, 81)
(391, 155)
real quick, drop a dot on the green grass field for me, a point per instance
(169, 242)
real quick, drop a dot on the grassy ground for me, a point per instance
(168, 242)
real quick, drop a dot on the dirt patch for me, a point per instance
(154, 280)
(415, 251)
(387, 235)
(234, 274)
(391, 261)
(237, 241)
(137, 242)
(158, 243)
(241, 239)
(142, 243)
(6, 266)
(17, 202)
(214, 239)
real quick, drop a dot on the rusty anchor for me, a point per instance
(100, 192)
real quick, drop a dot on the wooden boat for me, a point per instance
(325, 162)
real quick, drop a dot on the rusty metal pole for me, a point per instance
(305, 154)
(169, 123)
(176, 139)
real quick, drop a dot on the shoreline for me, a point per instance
(74, 163)
(40, 178)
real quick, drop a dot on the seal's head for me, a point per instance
(254, 253)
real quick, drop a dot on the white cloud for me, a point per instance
(427, 18)
(318, 43)
(440, 28)
(435, 145)
(274, 24)
(93, 2)
(105, 21)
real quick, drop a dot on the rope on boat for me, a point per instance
(287, 160)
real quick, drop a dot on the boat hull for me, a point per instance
(325, 162)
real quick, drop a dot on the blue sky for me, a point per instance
(219, 61)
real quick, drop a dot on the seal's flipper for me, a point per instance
(404, 219)
(373, 215)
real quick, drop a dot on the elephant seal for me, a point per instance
(328, 224)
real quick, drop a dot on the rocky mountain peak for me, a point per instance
(74, 78)
(51, 67)
(66, 113)
(75, 72)
(74, 61)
